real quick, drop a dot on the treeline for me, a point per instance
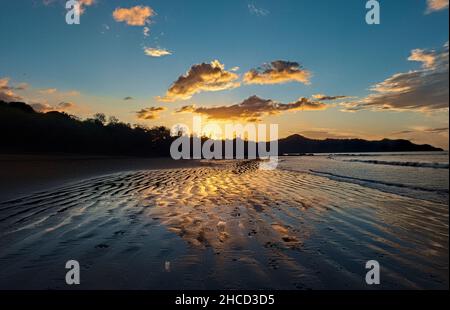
(24, 130)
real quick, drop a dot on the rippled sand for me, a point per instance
(226, 226)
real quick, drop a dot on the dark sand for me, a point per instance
(220, 226)
(24, 174)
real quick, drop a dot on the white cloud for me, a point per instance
(156, 52)
(146, 31)
(257, 11)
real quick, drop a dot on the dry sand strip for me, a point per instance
(224, 226)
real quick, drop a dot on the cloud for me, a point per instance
(9, 96)
(83, 4)
(7, 92)
(37, 98)
(134, 16)
(427, 58)
(257, 11)
(48, 91)
(327, 133)
(4, 84)
(421, 129)
(146, 31)
(253, 109)
(66, 105)
(156, 52)
(105, 28)
(41, 107)
(322, 97)
(44, 107)
(422, 90)
(278, 72)
(128, 98)
(201, 78)
(149, 113)
(56, 93)
(436, 5)
(422, 134)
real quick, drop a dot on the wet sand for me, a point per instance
(24, 174)
(221, 226)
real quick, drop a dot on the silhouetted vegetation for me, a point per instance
(25, 130)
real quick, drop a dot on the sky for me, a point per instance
(313, 67)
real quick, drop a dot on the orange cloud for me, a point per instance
(200, 78)
(436, 5)
(83, 4)
(253, 109)
(7, 92)
(278, 72)
(150, 113)
(427, 58)
(135, 16)
(60, 107)
(48, 91)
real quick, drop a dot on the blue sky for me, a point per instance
(104, 60)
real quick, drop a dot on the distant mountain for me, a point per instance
(296, 144)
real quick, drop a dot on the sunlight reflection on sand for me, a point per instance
(224, 225)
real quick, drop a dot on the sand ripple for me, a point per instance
(222, 226)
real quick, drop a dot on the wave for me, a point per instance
(402, 163)
(362, 181)
(379, 154)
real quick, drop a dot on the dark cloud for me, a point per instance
(425, 89)
(429, 130)
(253, 109)
(66, 105)
(322, 97)
(202, 77)
(149, 113)
(278, 72)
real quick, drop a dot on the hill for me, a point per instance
(23, 130)
(300, 144)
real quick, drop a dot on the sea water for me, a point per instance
(420, 175)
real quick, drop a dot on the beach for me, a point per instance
(220, 225)
(25, 174)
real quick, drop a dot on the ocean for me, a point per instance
(420, 175)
